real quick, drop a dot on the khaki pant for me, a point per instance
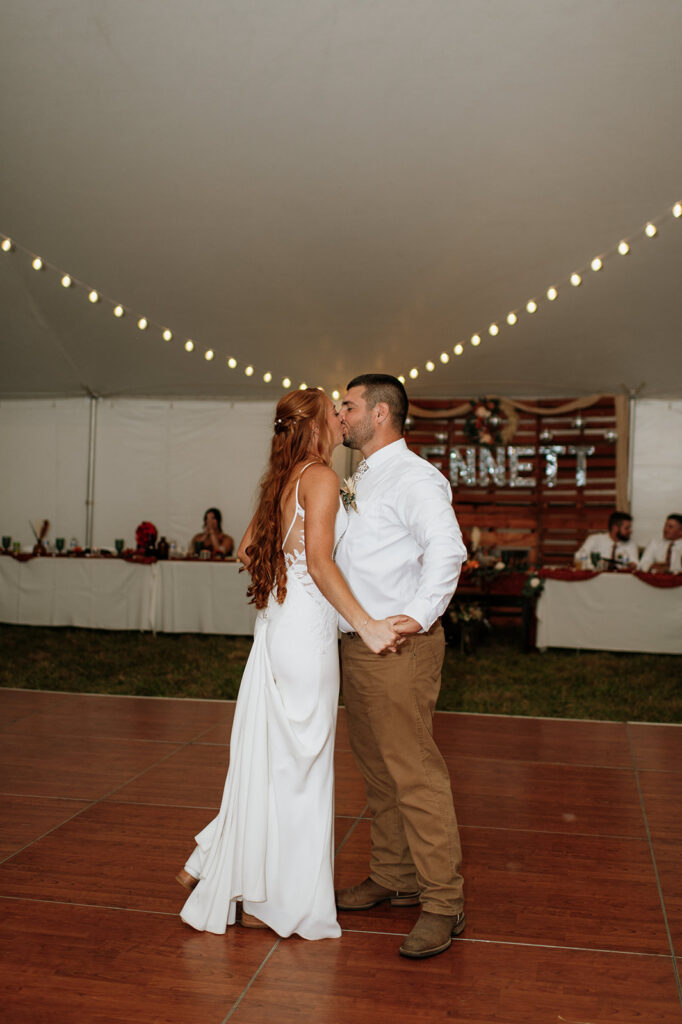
(390, 700)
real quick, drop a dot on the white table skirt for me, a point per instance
(610, 612)
(109, 593)
(89, 592)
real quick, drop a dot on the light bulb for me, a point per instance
(511, 319)
(232, 362)
(167, 335)
(303, 386)
(444, 357)
(493, 330)
(414, 373)
(249, 371)
(596, 264)
(677, 212)
(37, 263)
(336, 395)
(119, 311)
(475, 339)
(208, 355)
(651, 230)
(189, 345)
(286, 383)
(623, 248)
(7, 246)
(66, 281)
(552, 293)
(143, 323)
(458, 349)
(430, 366)
(531, 306)
(401, 379)
(576, 279)
(267, 377)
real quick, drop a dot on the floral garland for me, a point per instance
(490, 421)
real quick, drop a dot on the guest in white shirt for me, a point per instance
(665, 554)
(615, 548)
(401, 554)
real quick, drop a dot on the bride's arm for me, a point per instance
(319, 496)
(244, 543)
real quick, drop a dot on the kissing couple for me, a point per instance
(379, 561)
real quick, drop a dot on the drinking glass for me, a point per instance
(59, 544)
(119, 544)
(6, 543)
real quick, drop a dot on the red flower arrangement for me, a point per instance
(145, 538)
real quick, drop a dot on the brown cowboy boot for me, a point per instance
(432, 934)
(369, 894)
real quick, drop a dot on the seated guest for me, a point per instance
(212, 538)
(665, 555)
(615, 547)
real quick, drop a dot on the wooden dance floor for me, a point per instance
(572, 836)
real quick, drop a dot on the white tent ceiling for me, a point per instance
(320, 188)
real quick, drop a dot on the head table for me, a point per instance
(610, 611)
(178, 596)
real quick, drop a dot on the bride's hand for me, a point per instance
(380, 636)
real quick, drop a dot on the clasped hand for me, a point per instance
(388, 634)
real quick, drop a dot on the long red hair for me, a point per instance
(293, 442)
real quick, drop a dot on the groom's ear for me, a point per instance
(381, 412)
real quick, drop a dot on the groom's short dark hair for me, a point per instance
(381, 387)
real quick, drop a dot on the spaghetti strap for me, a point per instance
(296, 504)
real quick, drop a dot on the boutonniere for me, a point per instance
(347, 493)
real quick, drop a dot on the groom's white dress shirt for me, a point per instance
(402, 550)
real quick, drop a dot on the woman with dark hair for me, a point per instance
(212, 538)
(271, 845)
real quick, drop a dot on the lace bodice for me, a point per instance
(293, 545)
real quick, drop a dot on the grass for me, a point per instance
(495, 679)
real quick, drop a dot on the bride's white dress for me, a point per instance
(272, 844)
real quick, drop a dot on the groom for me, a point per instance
(401, 555)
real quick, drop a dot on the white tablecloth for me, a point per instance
(108, 593)
(610, 612)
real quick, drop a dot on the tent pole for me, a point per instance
(90, 496)
(631, 444)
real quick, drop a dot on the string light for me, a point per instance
(208, 355)
(336, 395)
(650, 229)
(303, 386)
(401, 379)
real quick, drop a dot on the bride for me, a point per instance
(271, 846)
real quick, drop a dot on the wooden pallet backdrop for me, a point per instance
(550, 521)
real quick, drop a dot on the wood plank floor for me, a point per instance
(572, 838)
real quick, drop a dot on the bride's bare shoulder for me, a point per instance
(318, 476)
